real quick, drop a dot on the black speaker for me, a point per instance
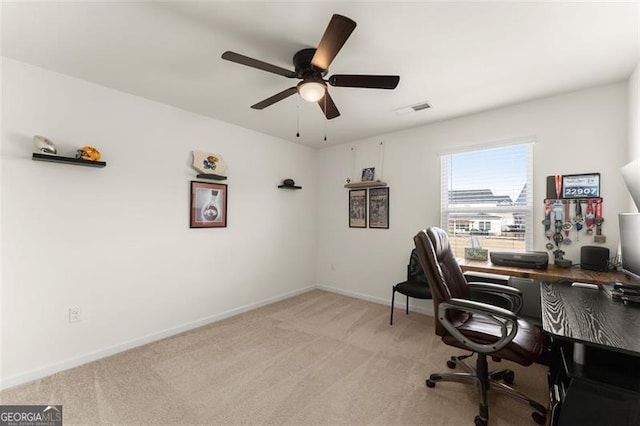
(594, 258)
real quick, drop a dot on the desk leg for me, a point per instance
(578, 353)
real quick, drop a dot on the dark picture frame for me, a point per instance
(368, 174)
(379, 208)
(358, 208)
(208, 206)
(585, 185)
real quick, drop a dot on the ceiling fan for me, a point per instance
(311, 65)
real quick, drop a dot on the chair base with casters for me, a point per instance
(485, 380)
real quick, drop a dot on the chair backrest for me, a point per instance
(414, 269)
(444, 275)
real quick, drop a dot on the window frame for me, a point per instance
(523, 213)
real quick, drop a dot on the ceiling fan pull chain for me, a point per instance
(297, 121)
(325, 121)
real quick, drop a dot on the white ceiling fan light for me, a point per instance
(312, 89)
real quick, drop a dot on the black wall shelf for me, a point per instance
(211, 176)
(67, 160)
(289, 187)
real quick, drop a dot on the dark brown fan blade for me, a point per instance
(331, 111)
(275, 98)
(366, 81)
(337, 32)
(254, 63)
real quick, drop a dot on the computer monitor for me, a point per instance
(630, 243)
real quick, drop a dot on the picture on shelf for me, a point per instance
(358, 208)
(379, 208)
(208, 163)
(208, 205)
(368, 174)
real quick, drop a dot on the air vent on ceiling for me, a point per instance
(412, 108)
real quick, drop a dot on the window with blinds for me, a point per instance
(487, 195)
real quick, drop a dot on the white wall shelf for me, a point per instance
(367, 184)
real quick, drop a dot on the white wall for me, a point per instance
(579, 132)
(116, 241)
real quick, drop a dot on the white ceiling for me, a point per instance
(460, 57)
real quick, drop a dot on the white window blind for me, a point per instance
(487, 197)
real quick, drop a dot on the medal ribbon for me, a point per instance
(599, 219)
(558, 186)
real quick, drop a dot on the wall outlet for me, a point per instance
(75, 314)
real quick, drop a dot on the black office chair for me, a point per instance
(415, 286)
(484, 329)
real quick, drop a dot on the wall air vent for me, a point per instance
(412, 108)
(419, 107)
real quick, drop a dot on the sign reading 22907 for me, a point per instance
(581, 186)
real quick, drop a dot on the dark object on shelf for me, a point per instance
(594, 258)
(484, 329)
(529, 259)
(563, 263)
(211, 176)
(289, 184)
(67, 160)
(415, 286)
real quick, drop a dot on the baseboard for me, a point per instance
(427, 310)
(39, 373)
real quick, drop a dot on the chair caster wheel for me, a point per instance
(539, 418)
(451, 364)
(431, 384)
(509, 377)
(479, 421)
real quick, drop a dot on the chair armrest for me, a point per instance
(505, 319)
(511, 294)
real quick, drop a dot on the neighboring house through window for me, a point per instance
(487, 196)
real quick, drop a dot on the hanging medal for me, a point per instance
(547, 223)
(589, 216)
(557, 216)
(599, 238)
(567, 225)
(578, 220)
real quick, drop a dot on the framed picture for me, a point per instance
(368, 174)
(379, 208)
(581, 186)
(208, 205)
(358, 208)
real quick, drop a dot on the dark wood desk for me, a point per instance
(602, 387)
(552, 273)
(590, 317)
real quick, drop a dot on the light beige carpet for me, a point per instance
(317, 358)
